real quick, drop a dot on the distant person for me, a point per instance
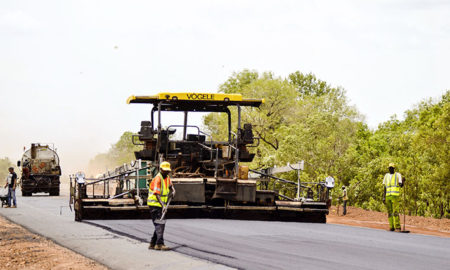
(11, 182)
(345, 199)
(392, 182)
(158, 195)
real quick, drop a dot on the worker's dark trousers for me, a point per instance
(11, 196)
(345, 207)
(158, 234)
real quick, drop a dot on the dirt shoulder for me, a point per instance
(21, 249)
(377, 220)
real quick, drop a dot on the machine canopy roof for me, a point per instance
(196, 101)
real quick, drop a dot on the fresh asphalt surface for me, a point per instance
(234, 243)
(287, 245)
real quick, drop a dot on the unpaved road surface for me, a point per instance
(377, 220)
(21, 249)
(285, 245)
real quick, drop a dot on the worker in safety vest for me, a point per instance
(158, 194)
(392, 182)
(345, 199)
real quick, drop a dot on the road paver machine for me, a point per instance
(209, 175)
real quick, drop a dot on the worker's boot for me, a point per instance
(392, 229)
(151, 246)
(162, 247)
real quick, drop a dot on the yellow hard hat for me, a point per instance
(165, 166)
(391, 165)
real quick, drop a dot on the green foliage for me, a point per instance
(277, 110)
(239, 80)
(304, 118)
(309, 85)
(5, 163)
(419, 145)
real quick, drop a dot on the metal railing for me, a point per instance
(123, 174)
(300, 186)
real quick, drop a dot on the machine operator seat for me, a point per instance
(146, 132)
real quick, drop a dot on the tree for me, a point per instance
(419, 145)
(294, 124)
(309, 85)
(239, 80)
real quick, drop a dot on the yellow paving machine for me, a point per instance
(209, 175)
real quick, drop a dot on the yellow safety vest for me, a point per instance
(345, 197)
(164, 192)
(392, 186)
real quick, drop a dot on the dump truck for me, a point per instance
(41, 170)
(211, 176)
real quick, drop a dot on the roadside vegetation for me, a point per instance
(5, 163)
(305, 118)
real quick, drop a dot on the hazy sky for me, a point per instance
(67, 67)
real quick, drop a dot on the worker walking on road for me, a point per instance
(158, 195)
(345, 199)
(392, 182)
(11, 182)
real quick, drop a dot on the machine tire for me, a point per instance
(54, 192)
(26, 194)
(316, 218)
(322, 218)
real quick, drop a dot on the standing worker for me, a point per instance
(392, 182)
(11, 182)
(345, 199)
(157, 199)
